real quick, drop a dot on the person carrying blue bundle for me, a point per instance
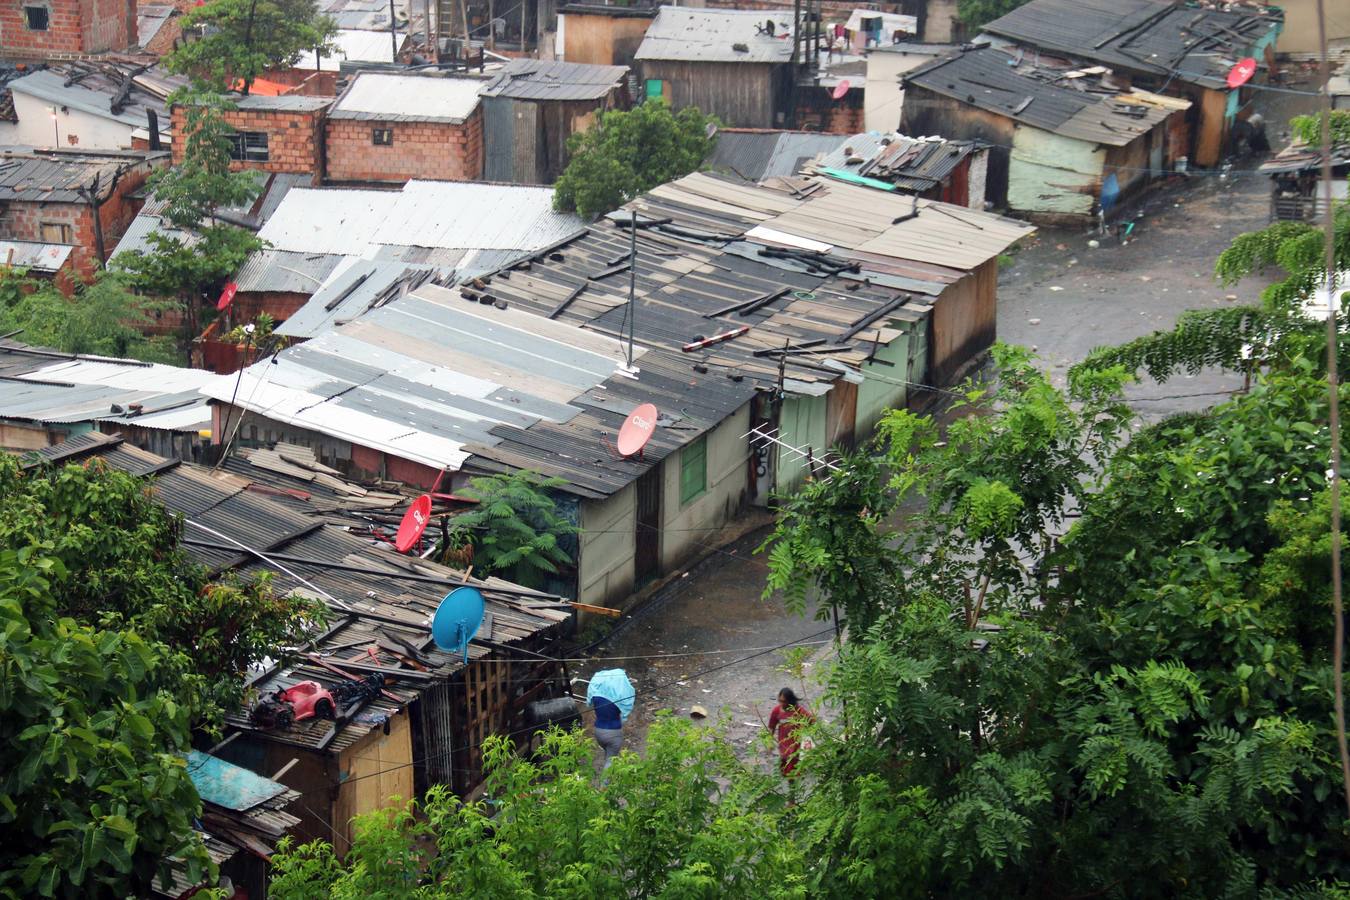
(610, 694)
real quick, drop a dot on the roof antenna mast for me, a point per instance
(628, 368)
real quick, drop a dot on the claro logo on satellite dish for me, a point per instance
(637, 430)
(414, 523)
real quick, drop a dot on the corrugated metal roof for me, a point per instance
(321, 220)
(36, 256)
(532, 79)
(382, 96)
(914, 164)
(1151, 36)
(281, 102)
(57, 176)
(51, 387)
(285, 271)
(479, 216)
(353, 45)
(1041, 97)
(150, 19)
(711, 35)
(375, 595)
(755, 155)
(92, 87)
(355, 287)
(136, 237)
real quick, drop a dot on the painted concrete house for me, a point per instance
(1156, 45)
(91, 105)
(1067, 144)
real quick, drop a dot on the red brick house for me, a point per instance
(68, 198)
(395, 127)
(272, 134)
(43, 29)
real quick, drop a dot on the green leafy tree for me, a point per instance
(627, 152)
(103, 318)
(684, 820)
(1045, 706)
(516, 528)
(1308, 129)
(241, 39)
(975, 14)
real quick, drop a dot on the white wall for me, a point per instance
(35, 127)
(688, 529)
(607, 544)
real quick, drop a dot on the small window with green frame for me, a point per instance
(693, 470)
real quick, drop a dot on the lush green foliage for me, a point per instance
(516, 527)
(193, 272)
(975, 14)
(683, 820)
(102, 318)
(192, 190)
(631, 151)
(242, 39)
(1135, 704)
(1308, 129)
(113, 644)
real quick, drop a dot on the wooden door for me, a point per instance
(647, 544)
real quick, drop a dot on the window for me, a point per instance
(382, 137)
(693, 470)
(54, 233)
(249, 146)
(38, 18)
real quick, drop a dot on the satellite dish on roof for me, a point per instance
(637, 430)
(840, 89)
(1241, 73)
(227, 295)
(457, 619)
(414, 523)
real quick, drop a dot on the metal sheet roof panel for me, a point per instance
(712, 35)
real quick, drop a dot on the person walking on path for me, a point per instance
(785, 724)
(610, 694)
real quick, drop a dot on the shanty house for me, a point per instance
(734, 64)
(1067, 145)
(1297, 190)
(80, 200)
(950, 171)
(47, 28)
(51, 396)
(92, 105)
(395, 127)
(427, 723)
(531, 108)
(1157, 45)
(271, 134)
(601, 35)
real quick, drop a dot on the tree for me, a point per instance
(103, 318)
(684, 820)
(241, 39)
(1054, 707)
(516, 528)
(631, 151)
(192, 191)
(975, 14)
(113, 646)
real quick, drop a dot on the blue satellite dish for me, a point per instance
(457, 619)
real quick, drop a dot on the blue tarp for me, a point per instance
(614, 686)
(228, 785)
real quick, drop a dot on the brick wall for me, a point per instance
(73, 27)
(431, 150)
(23, 221)
(292, 138)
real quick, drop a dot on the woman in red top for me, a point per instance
(786, 720)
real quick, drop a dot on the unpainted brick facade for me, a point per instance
(73, 27)
(293, 138)
(23, 220)
(438, 151)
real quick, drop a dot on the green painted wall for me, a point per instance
(1052, 174)
(802, 424)
(883, 386)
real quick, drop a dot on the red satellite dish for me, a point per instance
(1241, 73)
(840, 89)
(227, 295)
(637, 430)
(414, 523)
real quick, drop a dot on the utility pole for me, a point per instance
(393, 32)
